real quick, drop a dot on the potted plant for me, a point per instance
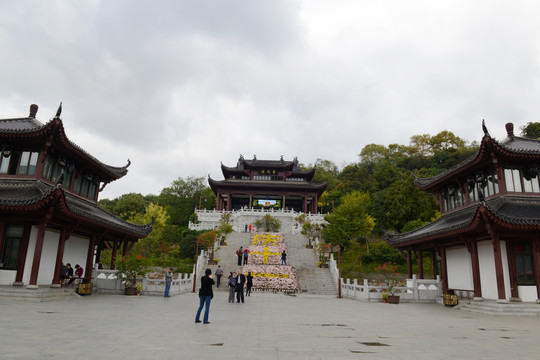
(128, 269)
(384, 297)
(389, 275)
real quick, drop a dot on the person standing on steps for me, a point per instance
(249, 283)
(239, 254)
(246, 254)
(240, 283)
(219, 274)
(205, 296)
(232, 286)
(283, 258)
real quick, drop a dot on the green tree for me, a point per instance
(268, 223)
(400, 203)
(155, 244)
(531, 130)
(349, 221)
(224, 228)
(183, 196)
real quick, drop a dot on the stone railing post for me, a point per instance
(365, 290)
(415, 287)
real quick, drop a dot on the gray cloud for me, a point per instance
(179, 86)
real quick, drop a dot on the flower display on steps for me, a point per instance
(265, 263)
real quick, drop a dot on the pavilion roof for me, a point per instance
(29, 130)
(511, 149)
(291, 166)
(266, 184)
(24, 195)
(515, 212)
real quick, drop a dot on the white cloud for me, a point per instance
(180, 86)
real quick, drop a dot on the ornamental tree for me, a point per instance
(350, 220)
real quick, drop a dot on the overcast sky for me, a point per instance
(180, 86)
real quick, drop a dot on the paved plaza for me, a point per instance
(267, 326)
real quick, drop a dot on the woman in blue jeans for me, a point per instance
(205, 296)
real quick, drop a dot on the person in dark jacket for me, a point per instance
(249, 283)
(240, 283)
(205, 296)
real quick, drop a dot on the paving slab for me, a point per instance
(267, 326)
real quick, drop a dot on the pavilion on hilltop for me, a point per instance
(49, 215)
(267, 184)
(487, 240)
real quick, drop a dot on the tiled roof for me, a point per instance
(510, 145)
(263, 184)
(20, 194)
(30, 126)
(510, 210)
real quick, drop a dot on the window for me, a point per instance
(524, 264)
(453, 198)
(27, 165)
(12, 243)
(86, 186)
(9, 163)
(53, 170)
(522, 180)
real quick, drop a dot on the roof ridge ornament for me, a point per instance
(484, 128)
(59, 111)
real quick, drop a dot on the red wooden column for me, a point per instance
(497, 257)
(434, 264)
(113, 255)
(473, 249)
(409, 264)
(441, 250)
(510, 256)
(2, 235)
(536, 266)
(37, 252)
(498, 266)
(64, 235)
(89, 259)
(420, 259)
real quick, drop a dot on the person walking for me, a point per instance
(246, 254)
(168, 281)
(232, 286)
(205, 296)
(249, 283)
(219, 274)
(239, 254)
(240, 283)
(283, 258)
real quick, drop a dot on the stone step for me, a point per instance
(42, 294)
(495, 308)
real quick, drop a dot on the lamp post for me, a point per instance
(339, 272)
(196, 262)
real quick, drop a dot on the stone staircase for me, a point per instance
(310, 278)
(500, 309)
(42, 294)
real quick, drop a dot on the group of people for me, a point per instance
(67, 276)
(242, 255)
(236, 283)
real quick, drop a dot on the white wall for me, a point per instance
(488, 276)
(7, 277)
(458, 262)
(75, 251)
(527, 293)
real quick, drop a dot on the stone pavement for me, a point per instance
(267, 326)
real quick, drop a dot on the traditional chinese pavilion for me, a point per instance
(488, 235)
(49, 215)
(267, 184)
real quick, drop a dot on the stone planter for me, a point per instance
(393, 299)
(130, 291)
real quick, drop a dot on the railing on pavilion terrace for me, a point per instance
(209, 219)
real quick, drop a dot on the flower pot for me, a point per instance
(130, 291)
(393, 299)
